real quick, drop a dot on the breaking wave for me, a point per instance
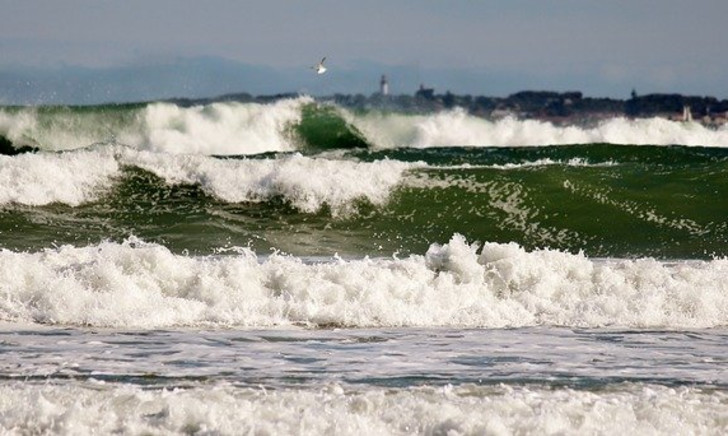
(143, 285)
(468, 409)
(82, 176)
(229, 128)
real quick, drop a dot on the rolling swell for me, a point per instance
(605, 200)
(313, 178)
(611, 201)
(227, 128)
(303, 124)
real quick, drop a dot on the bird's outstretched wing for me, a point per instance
(320, 69)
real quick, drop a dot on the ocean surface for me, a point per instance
(297, 267)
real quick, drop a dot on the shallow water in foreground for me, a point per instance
(354, 381)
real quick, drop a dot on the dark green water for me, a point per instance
(607, 200)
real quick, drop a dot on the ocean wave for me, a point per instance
(610, 201)
(307, 183)
(224, 409)
(458, 128)
(221, 128)
(44, 178)
(230, 128)
(143, 285)
(216, 128)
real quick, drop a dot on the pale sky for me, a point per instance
(601, 47)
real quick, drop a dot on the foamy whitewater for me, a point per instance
(138, 285)
(296, 267)
(231, 128)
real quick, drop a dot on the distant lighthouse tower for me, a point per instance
(384, 86)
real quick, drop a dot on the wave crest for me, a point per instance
(142, 285)
(458, 128)
(306, 183)
(230, 128)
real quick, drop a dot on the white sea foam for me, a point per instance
(218, 128)
(308, 184)
(71, 178)
(574, 162)
(59, 129)
(92, 408)
(248, 128)
(139, 285)
(221, 128)
(458, 128)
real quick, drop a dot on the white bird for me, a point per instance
(320, 69)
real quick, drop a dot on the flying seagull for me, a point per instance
(320, 69)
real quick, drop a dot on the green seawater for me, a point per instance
(605, 200)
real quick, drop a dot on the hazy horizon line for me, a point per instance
(197, 77)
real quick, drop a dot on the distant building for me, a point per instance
(384, 85)
(426, 93)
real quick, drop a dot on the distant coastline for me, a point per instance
(557, 107)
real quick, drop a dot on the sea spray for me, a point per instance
(222, 128)
(58, 128)
(216, 128)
